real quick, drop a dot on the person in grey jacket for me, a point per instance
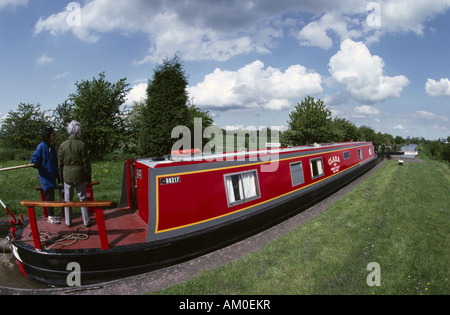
(75, 170)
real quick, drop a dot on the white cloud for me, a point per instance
(254, 86)
(14, 3)
(361, 74)
(315, 35)
(169, 27)
(410, 16)
(348, 20)
(316, 32)
(137, 93)
(421, 114)
(219, 30)
(277, 104)
(44, 59)
(367, 110)
(438, 88)
(437, 127)
(399, 127)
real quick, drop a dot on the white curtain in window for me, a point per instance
(230, 189)
(249, 183)
(319, 167)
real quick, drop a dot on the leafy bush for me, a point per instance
(445, 152)
(8, 154)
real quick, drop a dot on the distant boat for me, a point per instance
(182, 206)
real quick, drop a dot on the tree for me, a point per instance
(399, 140)
(435, 148)
(385, 138)
(343, 130)
(62, 116)
(310, 122)
(445, 152)
(22, 129)
(166, 108)
(207, 121)
(97, 106)
(289, 138)
(366, 133)
(132, 128)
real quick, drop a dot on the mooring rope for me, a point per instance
(55, 239)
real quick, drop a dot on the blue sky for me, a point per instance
(384, 64)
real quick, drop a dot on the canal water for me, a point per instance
(12, 277)
(409, 148)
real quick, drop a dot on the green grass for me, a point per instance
(398, 217)
(19, 185)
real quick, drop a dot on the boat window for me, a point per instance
(360, 154)
(242, 187)
(316, 168)
(346, 155)
(370, 151)
(297, 174)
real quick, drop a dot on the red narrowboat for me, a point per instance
(175, 208)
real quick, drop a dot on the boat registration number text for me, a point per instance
(170, 180)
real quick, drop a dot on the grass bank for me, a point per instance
(398, 218)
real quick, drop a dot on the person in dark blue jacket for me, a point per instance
(45, 160)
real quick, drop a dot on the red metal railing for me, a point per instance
(96, 205)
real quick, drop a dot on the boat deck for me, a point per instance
(123, 227)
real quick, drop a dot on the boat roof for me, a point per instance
(170, 160)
